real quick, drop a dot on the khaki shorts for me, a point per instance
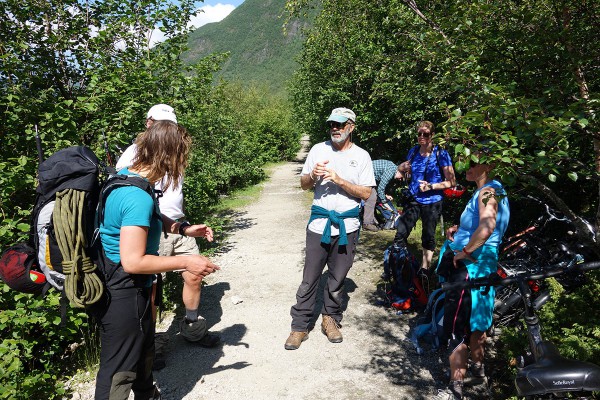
(177, 245)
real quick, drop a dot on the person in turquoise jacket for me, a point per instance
(471, 251)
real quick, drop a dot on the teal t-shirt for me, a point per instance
(128, 206)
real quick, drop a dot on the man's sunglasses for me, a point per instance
(423, 134)
(338, 125)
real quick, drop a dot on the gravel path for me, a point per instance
(261, 265)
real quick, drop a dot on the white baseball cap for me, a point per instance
(342, 115)
(161, 112)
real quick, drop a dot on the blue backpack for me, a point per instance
(430, 329)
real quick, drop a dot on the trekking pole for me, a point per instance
(38, 144)
(106, 150)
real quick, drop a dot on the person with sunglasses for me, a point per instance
(471, 251)
(429, 171)
(341, 174)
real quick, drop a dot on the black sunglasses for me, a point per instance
(338, 125)
(423, 134)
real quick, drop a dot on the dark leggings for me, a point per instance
(127, 346)
(429, 214)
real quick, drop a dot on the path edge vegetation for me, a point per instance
(78, 74)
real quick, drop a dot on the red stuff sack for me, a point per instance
(19, 269)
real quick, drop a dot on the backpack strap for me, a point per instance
(118, 180)
(412, 153)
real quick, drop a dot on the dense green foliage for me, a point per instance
(518, 77)
(477, 70)
(83, 71)
(260, 53)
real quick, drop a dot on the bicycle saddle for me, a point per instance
(554, 373)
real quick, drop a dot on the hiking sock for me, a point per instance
(191, 315)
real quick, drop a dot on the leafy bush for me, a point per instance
(35, 348)
(82, 86)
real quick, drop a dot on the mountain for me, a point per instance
(253, 35)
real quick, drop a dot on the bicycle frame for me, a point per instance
(550, 373)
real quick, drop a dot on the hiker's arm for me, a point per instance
(307, 182)
(448, 182)
(196, 230)
(362, 192)
(449, 176)
(132, 247)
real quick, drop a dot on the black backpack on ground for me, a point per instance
(400, 267)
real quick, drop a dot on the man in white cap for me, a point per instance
(193, 327)
(341, 174)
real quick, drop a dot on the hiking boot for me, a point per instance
(295, 340)
(331, 328)
(478, 370)
(452, 392)
(371, 227)
(193, 331)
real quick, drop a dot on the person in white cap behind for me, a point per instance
(193, 327)
(341, 174)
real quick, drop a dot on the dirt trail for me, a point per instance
(261, 264)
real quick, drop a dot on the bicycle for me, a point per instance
(550, 374)
(548, 240)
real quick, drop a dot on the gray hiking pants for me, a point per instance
(339, 260)
(369, 213)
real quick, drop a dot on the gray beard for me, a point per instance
(342, 138)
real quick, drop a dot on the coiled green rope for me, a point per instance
(83, 286)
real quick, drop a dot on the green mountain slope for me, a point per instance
(253, 35)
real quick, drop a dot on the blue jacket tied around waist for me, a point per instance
(335, 217)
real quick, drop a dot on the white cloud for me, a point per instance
(208, 13)
(204, 15)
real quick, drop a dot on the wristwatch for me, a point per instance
(182, 227)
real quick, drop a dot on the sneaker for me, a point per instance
(331, 328)
(478, 370)
(193, 331)
(295, 340)
(371, 227)
(452, 392)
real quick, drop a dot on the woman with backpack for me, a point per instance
(471, 251)
(130, 228)
(430, 171)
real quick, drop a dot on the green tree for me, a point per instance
(518, 76)
(85, 73)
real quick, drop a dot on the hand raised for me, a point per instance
(200, 230)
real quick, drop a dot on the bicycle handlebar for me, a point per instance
(496, 280)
